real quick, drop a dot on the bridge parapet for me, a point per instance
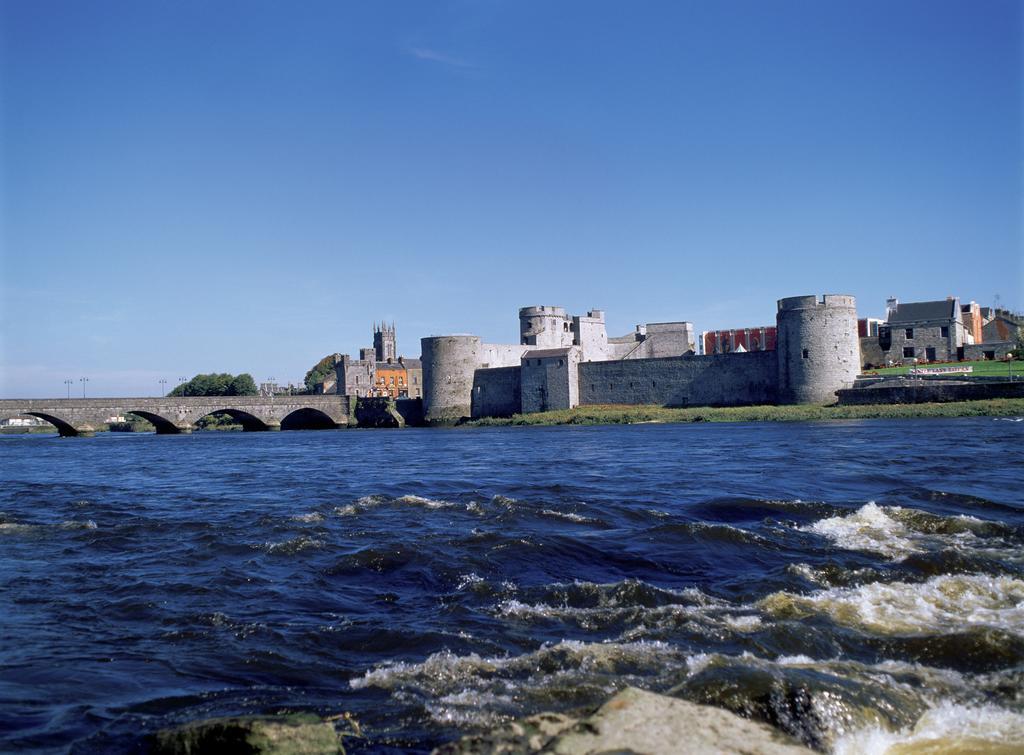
(179, 414)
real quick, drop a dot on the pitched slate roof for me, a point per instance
(920, 311)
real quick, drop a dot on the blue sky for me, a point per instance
(246, 186)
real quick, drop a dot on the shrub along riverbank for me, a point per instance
(617, 414)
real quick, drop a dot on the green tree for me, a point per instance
(242, 385)
(320, 372)
(217, 384)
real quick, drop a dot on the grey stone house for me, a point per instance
(925, 331)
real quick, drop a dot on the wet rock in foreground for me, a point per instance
(250, 735)
(633, 721)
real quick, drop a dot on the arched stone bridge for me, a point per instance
(83, 416)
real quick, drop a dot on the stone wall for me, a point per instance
(496, 392)
(871, 354)
(591, 336)
(926, 342)
(501, 354)
(991, 350)
(930, 391)
(665, 339)
(713, 380)
(549, 381)
(354, 377)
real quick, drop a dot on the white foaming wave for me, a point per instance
(944, 604)
(610, 598)
(933, 696)
(569, 516)
(747, 623)
(21, 528)
(896, 532)
(368, 502)
(309, 518)
(429, 503)
(868, 529)
(15, 528)
(946, 728)
(820, 576)
(439, 668)
(467, 580)
(295, 545)
(614, 604)
(470, 707)
(445, 673)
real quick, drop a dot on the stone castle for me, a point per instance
(563, 361)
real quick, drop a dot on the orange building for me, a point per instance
(391, 379)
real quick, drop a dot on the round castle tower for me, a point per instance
(544, 327)
(448, 366)
(818, 350)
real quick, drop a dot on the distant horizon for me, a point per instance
(192, 187)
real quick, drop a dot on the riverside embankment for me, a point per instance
(847, 583)
(619, 414)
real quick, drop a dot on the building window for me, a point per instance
(560, 363)
(910, 332)
(944, 331)
(807, 354)
(538, 362)
(566, 327)
(908, 352)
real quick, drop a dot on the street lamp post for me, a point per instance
(163, 386)
(69, 382)
(83, 381)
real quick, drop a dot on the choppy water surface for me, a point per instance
(857, 584)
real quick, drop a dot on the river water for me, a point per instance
(857, 584)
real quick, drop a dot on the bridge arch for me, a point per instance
(249, 422)
(308, 418)
(65, 428)
(162, 425)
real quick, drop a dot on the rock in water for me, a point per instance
(637, 722)
(250, 735)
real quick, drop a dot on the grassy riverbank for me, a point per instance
(617, 414)
(984, 368)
